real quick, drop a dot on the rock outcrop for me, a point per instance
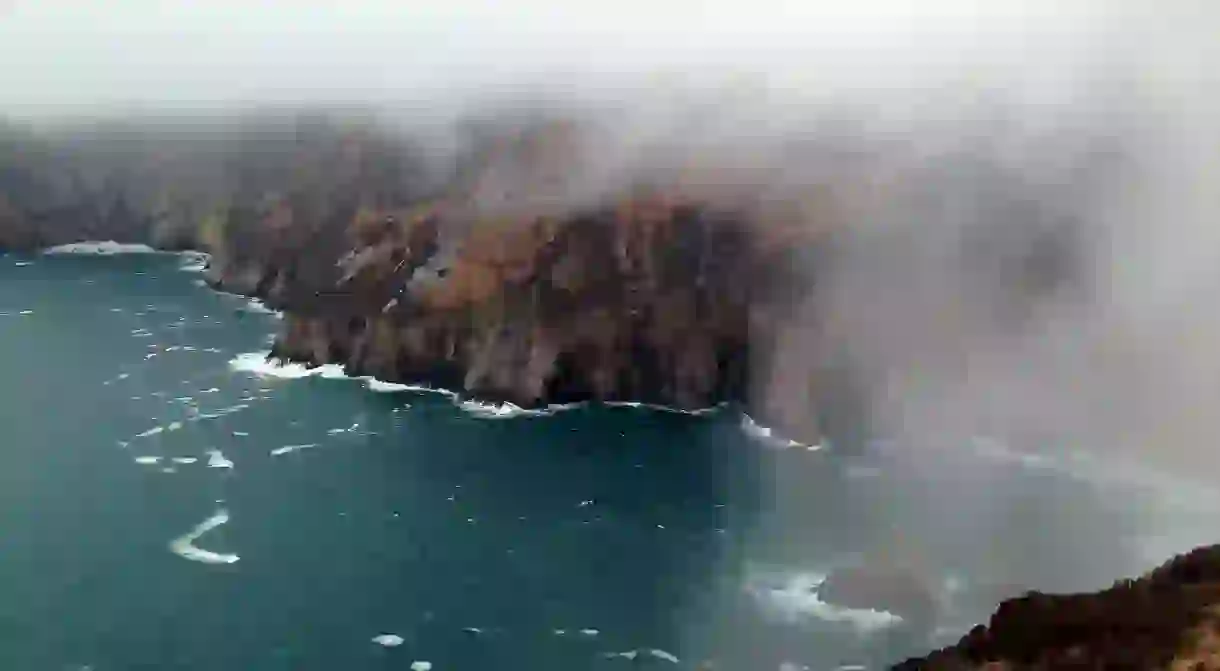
(1168, 619)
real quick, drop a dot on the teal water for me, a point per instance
(524, 543)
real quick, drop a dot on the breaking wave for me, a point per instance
(380, 387)
(99, 248)
(258, 363)
(768, 437)
(194, 262)
(502, 411)
(793, 597)
(256, 306)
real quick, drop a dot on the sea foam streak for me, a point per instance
(151, 432)
(259, 364)
(768, 437)
(640, 405)
(184, 546)
(654, 652)
(793, 597)
(292, 448)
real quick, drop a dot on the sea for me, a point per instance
(169, 500)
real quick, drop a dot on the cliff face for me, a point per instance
(1167, 619)
(653, 300)
(500, 274)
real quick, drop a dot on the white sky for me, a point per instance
(61, 53)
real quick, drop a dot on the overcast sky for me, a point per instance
(60, 54)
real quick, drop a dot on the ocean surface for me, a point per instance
(170, 501)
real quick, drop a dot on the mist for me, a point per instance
(1022, 199)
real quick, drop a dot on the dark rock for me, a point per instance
(1167, 619)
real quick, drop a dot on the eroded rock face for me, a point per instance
(650, 300)
(522, 272)
(1167, 619)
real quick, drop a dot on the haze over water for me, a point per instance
(334, 515)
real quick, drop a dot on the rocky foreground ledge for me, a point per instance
(1168, 619)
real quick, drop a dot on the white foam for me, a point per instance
(291, 448)
(640, 405)
(216, 414)
(216, 459)
(185, 460)
(99, 248)
(194, 262)
(240, 434)
(589, 632)
(173, 426)
(661, 654)
(769, 438)
(259, 364)
(504, 410)
(388, 640)
(421, 665)
(387, 387)
(151, 432)
(22, 264)
(184, 546)
(26, 312)
(258, 307)
(148, 460)
(793, 597)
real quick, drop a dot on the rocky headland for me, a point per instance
(496, 275)
(503, 275)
